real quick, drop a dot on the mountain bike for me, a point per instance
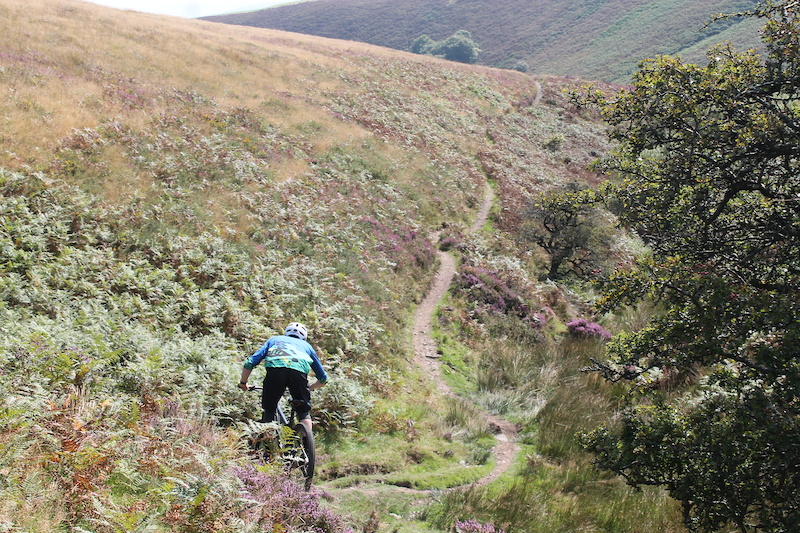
(286, 442)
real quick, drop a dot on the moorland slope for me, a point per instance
(175, 191)
(596, 40)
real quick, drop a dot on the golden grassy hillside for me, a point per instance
(72, 65)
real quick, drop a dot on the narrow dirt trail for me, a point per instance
(427, 358)
(537, 100)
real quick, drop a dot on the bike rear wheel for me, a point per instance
(309, 451)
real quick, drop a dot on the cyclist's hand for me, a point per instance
(244, 386)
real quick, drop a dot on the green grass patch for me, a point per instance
(439, 474)
(413, 457)
(562, 498)
(392, 510)
(456, 366)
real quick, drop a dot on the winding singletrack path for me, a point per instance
(426, 356)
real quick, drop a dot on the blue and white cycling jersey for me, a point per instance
(283, 351)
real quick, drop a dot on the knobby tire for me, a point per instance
(307, 441)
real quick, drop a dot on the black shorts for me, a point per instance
(276, 382)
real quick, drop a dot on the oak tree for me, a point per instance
(569, 226)
(708, 168)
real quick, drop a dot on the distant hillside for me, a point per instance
(592, 39)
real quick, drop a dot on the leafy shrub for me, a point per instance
(458, 47)
(422, 44)
(554, 143)
(341, 405)
(520, 66)
(565, 222)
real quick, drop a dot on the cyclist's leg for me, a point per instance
(299, 389)
(275, 383)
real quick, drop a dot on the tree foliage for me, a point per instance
(458, 47)
(709, 160)
(567, 223)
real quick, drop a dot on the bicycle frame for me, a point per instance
(303, 457)
(282, 418)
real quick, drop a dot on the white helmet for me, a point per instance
(296, 329)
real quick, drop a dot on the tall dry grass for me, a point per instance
(63, 85)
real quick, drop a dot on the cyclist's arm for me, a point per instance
(245, 376)
(319, 372)
(253, 362)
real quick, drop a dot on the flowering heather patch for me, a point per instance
(581, 328)
(488, 290)
(122, 89)
(451, 238)
(405, 246)
(281, 504)
(448, 243)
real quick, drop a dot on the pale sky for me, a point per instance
(190, 8)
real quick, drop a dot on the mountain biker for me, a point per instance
(288, 359)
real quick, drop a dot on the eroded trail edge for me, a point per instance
(426, 355)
